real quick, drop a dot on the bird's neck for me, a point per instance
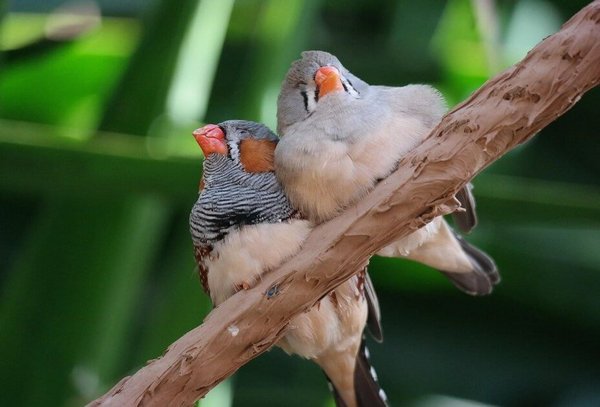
(233, 198)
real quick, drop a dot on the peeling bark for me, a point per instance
(506, 111)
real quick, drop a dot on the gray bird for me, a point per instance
(243, 225)
(340, 136)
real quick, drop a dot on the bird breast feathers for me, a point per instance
(245, 254)
(322, 172)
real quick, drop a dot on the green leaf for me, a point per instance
(142, 94)
(71, 294)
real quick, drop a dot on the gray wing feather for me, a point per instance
(484, 275)
(466, 220)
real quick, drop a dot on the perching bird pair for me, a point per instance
(260, 197)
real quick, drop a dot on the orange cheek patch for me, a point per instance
(257, 155)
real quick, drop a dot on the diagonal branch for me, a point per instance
(506, 111)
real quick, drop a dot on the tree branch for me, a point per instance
(504, 112)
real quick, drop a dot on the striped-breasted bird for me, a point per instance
(243, 225)
(340, 136)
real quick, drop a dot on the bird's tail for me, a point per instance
(480, 260)
(469, 269)
(366, 387)
(482, 275)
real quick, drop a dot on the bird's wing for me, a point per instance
(466, 220)
(374, 312)
(480, 260)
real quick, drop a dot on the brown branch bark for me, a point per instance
(503, 113)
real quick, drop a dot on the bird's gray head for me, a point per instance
(308, 80)
(238, 152)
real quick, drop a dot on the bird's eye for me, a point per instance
(349, 88)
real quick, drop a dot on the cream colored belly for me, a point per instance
(330, 325)
(244, 255)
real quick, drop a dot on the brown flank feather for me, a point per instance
(200, 252)
(257, 155)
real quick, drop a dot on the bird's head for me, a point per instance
(238, 185)
(236, 146)
(308, 82)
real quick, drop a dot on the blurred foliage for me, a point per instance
(98, 173)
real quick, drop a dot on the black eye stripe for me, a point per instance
(305, 98)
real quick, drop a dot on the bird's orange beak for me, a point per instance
(211, 139)
(328, 79)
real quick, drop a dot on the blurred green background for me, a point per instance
(98, 171)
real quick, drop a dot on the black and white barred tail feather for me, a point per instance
(366, 387)
(368, 391)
